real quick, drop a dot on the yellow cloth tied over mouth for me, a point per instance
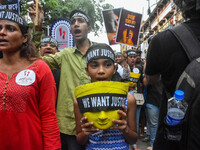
(134, 77)
(100, 101)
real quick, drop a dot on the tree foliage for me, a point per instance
(60, 9)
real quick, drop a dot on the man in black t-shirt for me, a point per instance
(167, 58)
(152, 103)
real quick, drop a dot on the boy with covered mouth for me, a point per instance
(100, 67)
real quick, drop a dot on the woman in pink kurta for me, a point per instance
(27, 91)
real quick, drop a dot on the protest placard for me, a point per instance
(10, 4)
(60, 30)
(129, 28)
(111, 21)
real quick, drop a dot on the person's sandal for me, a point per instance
(149, 148)
(135, 148)
(146, 139)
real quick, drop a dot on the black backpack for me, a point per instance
(186, 134)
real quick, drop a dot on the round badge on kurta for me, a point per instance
(136, 70)
(25, 77)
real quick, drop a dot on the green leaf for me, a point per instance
(59, 9)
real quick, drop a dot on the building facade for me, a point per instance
(164, 16)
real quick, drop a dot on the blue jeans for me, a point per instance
(138, 117)
(137, 120)
(147, 124)
(152, 114)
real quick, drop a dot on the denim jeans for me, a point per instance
(138, 117)
(152, 114)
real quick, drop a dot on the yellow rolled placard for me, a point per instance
(99, 101)
(131, 84)
(134, 77)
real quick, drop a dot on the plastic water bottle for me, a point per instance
(177, 107)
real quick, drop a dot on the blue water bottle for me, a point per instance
(177, 107)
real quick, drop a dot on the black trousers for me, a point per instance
(69, 142)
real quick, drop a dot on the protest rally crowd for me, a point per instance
(90, 97)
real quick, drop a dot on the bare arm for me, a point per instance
(83, 127)
(37, 29)
(128, 123)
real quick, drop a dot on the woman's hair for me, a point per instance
(28, 49)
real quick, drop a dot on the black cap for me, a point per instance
(99, 51)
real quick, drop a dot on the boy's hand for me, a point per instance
(121, 124)
(87, 127)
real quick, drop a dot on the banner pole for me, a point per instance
(36, 12)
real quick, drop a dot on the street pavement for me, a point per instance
(142, 145)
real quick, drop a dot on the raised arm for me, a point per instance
(32, 14)
(37, 29)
